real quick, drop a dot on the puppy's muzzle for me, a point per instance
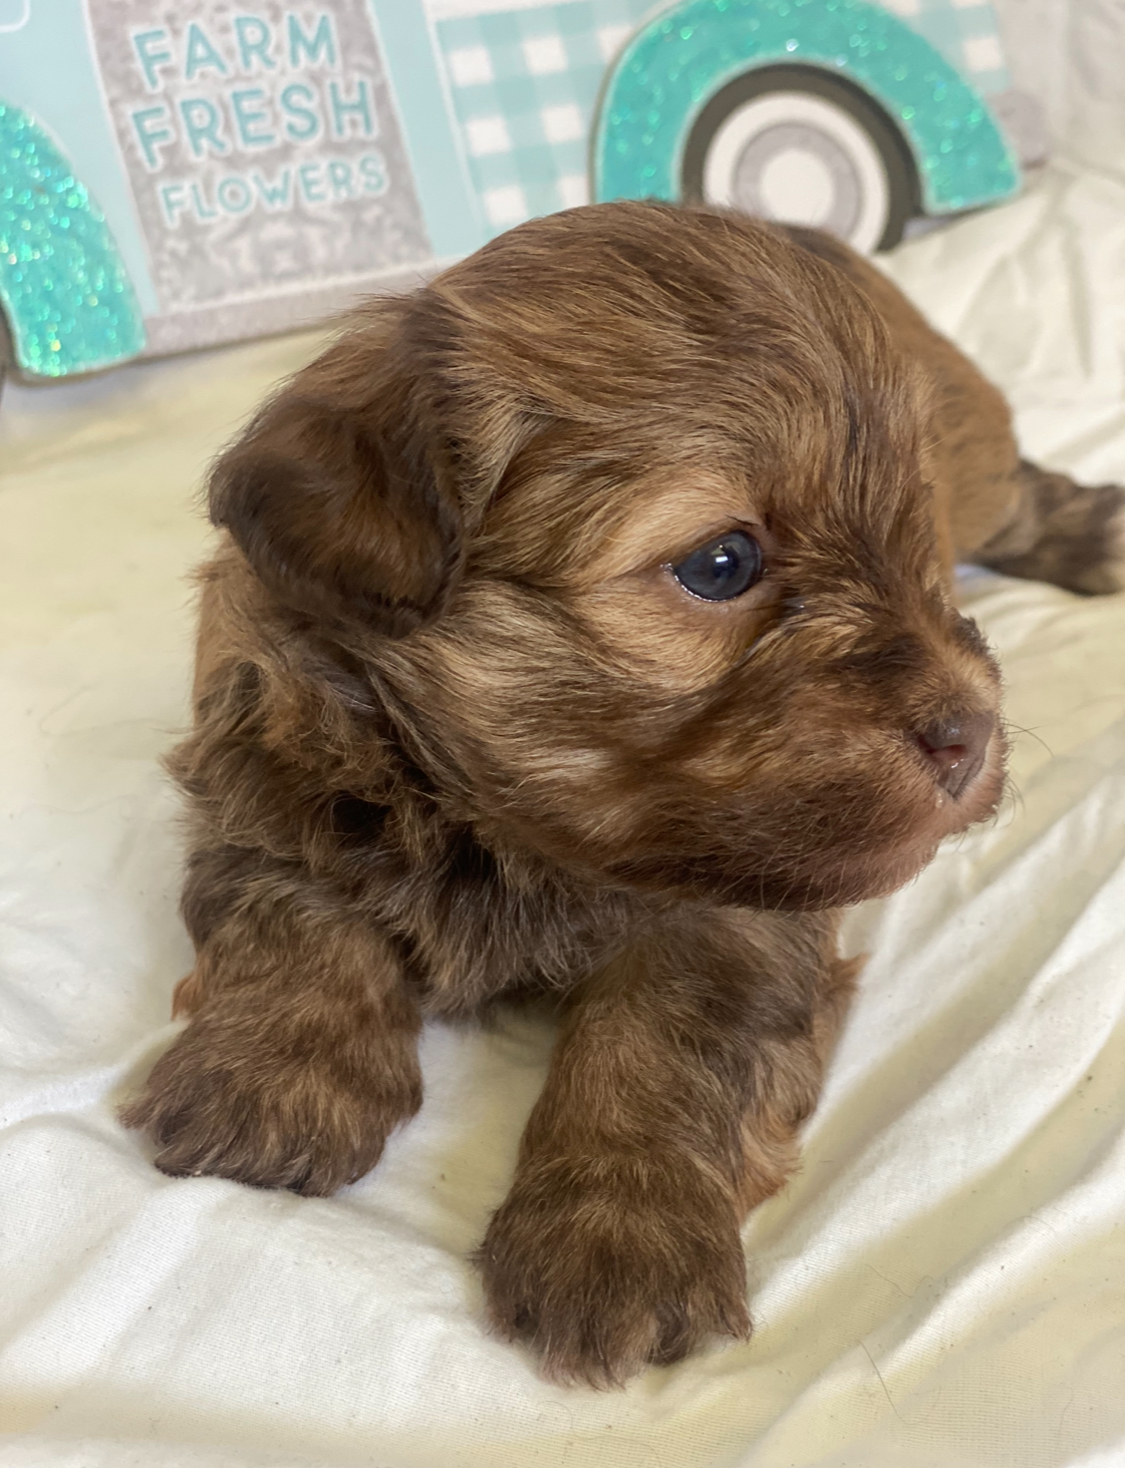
(955, 749)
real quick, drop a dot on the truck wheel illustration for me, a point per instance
(795, 144)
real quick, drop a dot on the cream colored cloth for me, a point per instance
(942, 1285)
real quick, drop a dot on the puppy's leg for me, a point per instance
(1066, 533)
(671, 1107)
(301, 1054)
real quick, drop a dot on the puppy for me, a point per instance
(581, 623)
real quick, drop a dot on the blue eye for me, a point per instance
(723, 568)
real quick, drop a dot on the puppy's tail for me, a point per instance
(1069, 534)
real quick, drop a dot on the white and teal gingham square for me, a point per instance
(525, 83)
(964, 32)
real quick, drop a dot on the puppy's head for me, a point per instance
(627, 516)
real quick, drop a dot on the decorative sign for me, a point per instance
(261, 145)
(181, 173)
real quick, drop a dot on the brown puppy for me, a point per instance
(582, 624)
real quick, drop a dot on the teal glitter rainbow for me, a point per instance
(68, 302)
(684, 56)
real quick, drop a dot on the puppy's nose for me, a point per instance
(956, 748)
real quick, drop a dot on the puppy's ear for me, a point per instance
(339, 492)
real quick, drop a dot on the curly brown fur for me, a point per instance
(460, 732)
(1070, 534)
(671, 1109)
(994, 508)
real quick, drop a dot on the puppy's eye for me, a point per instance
(723, 568)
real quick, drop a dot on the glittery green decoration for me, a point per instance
(67, 299)
(681, 59)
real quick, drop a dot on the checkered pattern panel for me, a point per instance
(525, 84)
(964, 32)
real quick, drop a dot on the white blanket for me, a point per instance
(944, 1282)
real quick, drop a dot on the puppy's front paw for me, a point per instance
(604, 1264)
(231, 1100)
